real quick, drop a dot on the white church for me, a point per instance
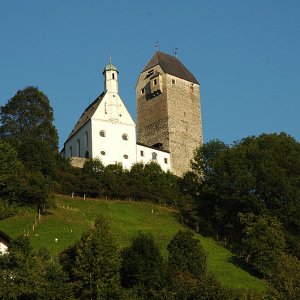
(107, 131)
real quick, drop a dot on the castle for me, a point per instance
(168, 128)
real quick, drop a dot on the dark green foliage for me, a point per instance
(56, 285)
(143, 182)
(142, 267)
(262, 242)
(25, 275)
(36, 191)
(206, 156)
(284, 281)
(28, 115)
(188, 277)
(37, 156)
(93, 264)
(11, 172)
(186, 255)
(258, 175)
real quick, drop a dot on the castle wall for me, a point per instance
(171, 118)
(184, 122)
(152, 112)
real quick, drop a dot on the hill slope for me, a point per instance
(72, 216)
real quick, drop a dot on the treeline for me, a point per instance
(95, 268)
(142, 182)
(247, 196)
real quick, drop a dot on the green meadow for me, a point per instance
(62, 226)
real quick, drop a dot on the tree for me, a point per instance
(28, 115)
(262, 242)
(186, 255)
(205, 157)
(11, 172)
(284, 281)
(37, 156)
(258, 175)
(93, 264)
(19, 276)
(188, 275)
(142, 266)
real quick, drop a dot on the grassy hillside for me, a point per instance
(67, 222)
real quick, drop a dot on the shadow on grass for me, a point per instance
(243, 265)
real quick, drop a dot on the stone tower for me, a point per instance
(168, 109)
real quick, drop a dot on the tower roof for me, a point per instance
(110, 67)
(170, 65)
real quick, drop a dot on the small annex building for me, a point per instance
(107, 131)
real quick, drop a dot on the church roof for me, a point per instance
(87, 114)
(170, 65)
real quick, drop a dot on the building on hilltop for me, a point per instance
(107, 131)
(169, 124)
(168, 109)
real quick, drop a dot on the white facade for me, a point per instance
(3, 246)
(147, 154)
(107, 131)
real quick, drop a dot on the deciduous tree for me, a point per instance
(28, 115)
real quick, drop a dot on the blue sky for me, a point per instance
(245, 54)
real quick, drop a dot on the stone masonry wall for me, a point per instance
(152, 114)
(172, 118)
(184, 120)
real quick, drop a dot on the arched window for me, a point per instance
(113, 75)
(86, 139)
(154, 155)
(78, 147)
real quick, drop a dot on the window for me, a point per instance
(155, 82)
(113, 75)
(142, 153)
(173, 81)
(86, 139)
(125, 136)
(142, 91)
(71, 151)
(103, 152)
(154, 155)
(102, 133)
(87, 155)
(192, 88)
(166, 160)
(125, 156)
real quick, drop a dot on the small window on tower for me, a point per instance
(166, 160)
(113, 75)
(143, 91)
(102, 133)
(125, 136)
(103, 152)
(173, 81)
(142, 153)
(155, 82)
(125, 156)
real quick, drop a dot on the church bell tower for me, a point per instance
(168, 110)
